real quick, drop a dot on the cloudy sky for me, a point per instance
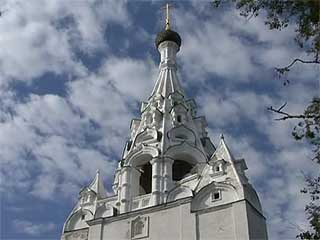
(72, 75)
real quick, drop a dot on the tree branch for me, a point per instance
(287, 68)
(287, 115)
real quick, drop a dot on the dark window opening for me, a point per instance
(159, 136)
(179, 118)
(216, 196)
(180, 169)
(217, 168)
(146, 179)
(83, 217)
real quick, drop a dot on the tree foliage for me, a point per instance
(309, 127)
(304, 15)
(312, 209)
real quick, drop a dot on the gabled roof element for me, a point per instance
(97, 186)
(222, 151)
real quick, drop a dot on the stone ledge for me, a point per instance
(140, 211)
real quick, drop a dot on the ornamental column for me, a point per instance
(167, 175)
(156, 181)
(125, 189)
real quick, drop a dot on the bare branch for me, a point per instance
(287, 68)
(287, 115)
(296, 226)
(282, 106)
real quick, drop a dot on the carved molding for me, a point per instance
(140, 227)
(77, 235)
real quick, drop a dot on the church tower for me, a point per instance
(172, 182)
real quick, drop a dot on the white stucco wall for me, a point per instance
(172, 223)
(217, 224)
(176, 221)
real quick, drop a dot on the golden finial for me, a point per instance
(167, 7)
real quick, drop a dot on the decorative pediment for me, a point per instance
(151, 108)
(187, 152)
(157, 101)
(87, 196)
(176, 96)
(178, 193)
(192, 106)
(134, 157)
(151, 117)
(182, 134)
(179, 114)
(214, 194)
(217, 166)
(104, 210)
(147, 136)
(179, 108)
(78, 220)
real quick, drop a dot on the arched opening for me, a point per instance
(180, 170)
(145, 181)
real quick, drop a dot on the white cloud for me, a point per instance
(45, 142)
(30, 228)
(132, 77)
(112, 95)
(228, 46)
(38, 38)
(52, 144)
(47, 136)
(210, 48)
(60, 136)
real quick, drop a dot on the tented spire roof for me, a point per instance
(97, 185)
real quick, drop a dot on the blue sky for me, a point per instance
(72, 76)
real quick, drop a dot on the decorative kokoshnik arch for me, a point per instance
(78, 219)
(206, 197)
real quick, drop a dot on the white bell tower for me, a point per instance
(172, 182)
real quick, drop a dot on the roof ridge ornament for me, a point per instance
(221, 136)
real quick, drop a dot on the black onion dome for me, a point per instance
(168, 35)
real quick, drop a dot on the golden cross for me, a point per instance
(167, 7)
